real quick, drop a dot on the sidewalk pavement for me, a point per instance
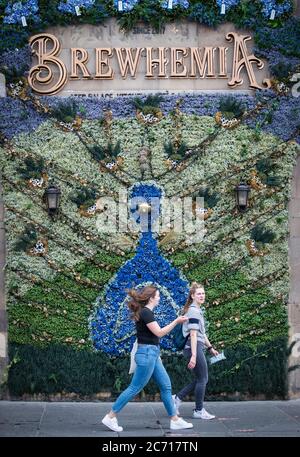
(83, 419)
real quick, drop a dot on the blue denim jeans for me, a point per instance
(149, 364)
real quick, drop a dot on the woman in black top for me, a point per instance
(147, 358)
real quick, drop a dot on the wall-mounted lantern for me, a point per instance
(52, 198)
(242, 193)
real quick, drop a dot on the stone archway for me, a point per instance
(294, 295)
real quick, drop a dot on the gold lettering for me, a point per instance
(205, 63)
(161, 61)
(79, 58)
(102, 63)
(49, 75)
(245, 61)
(222, 62)
(128, 62)
(36, 73)
(176, 60)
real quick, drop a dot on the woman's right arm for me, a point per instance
(160, 332)
(192, 362)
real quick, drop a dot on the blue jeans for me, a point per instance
(149, 364)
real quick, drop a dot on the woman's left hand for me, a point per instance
(192, 362)
(214, 352)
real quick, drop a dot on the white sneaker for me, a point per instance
(112, 423)
(177, 403)
(203, 414)
(180, 424)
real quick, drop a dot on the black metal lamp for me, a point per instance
(242, 193)
(52, 197)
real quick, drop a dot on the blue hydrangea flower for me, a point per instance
(228, 3)
(15, 11)
(279, 7)
(111, 329)
(181, 3)
(128, 5)
(69, 5)
(205, 14)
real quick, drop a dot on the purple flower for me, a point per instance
(17, 60)
(17, 117)
(281, 118)
(275, 58)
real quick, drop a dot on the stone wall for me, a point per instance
(3, 319)
(294, 298)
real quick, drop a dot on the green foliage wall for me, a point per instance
(51, 296)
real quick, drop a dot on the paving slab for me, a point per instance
(83, 419)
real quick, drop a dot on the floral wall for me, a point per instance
(69, 331)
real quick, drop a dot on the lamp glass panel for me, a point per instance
(242, 197)
(52, 201)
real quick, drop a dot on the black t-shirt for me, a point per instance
(144, 335)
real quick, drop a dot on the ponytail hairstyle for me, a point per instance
(139, 299)
(193, 288)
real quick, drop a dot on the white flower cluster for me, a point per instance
(282, 88)
(228, 122)
(148, 118)
(67, 125)
(16, 88)
(39, 248)
(35, 182)
(92, 209)
(110, 165)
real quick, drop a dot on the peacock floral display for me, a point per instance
(112, 330)
(117, 161)
(68, 301)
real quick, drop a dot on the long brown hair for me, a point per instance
(139, 299)
(193, 288)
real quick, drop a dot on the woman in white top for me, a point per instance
(194, 350)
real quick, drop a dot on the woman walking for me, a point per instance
(194, 350)
(147, 358)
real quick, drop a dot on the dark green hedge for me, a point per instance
(61, 369)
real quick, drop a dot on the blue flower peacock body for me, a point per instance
(112, 330)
